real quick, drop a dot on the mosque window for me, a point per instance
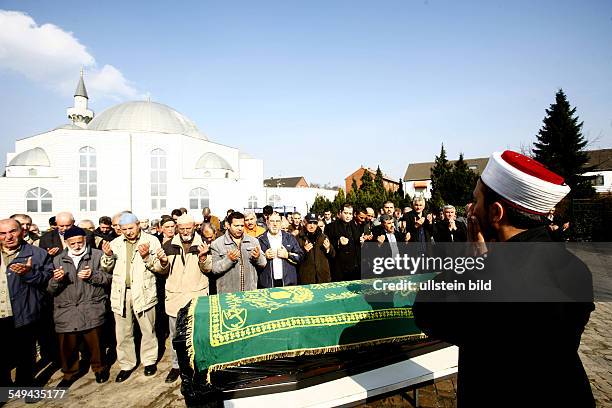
(39, 200)
(252, 202)
(274, 200)
(88, 179)
(159, 179)
(198, 198)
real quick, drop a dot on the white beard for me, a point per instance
(81, 252)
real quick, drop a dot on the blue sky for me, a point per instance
(317, 88)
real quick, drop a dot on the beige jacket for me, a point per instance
(144, 293)
(186, 279)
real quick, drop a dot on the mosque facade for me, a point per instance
(141, 156)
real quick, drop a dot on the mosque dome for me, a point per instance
(32, 157)
(145, 116)
(212, 161)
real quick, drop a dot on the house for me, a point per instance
(417, 179)
(389, 183)
(293, 182)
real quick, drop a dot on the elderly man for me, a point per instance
(539, 303)
(87, 225)
(115, 224)
(168, 228)
(132, 258)
(185, 259)
(235, 257)
(418, 223)
(24, 273)
(250, 225)
(26, 222)
(283, 254)
(79, 302)
(318, 251)
(53, 241)
(449, 229)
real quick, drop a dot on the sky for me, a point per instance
(317, 88)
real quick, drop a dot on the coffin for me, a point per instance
(276, 340)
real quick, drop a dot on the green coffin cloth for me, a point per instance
(231, 329)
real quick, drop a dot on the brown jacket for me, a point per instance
(314, 268)
(186, 279)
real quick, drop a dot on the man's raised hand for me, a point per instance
(106, 248)
(143, 250)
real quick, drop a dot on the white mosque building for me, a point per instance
(141, 156)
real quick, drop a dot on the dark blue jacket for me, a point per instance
(296, 254)
(27, 291)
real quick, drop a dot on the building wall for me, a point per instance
(124, 179)
(607, 181)
(411, 191)
(300, 198)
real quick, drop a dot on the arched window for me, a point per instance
(159, 180)
(198, 198)
(252, 202)
(274, 200)
(88, 179)
(38, 200)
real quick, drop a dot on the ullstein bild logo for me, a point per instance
(420, 264)
(406, 285)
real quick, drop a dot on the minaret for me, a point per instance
(79, 114)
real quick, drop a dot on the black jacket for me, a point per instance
(427, 227)
(516, 354)
(51, 239)
(443, 234)
(315, 265)
(346, 264)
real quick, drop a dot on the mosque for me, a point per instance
(141, 155)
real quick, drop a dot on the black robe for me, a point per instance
(523, 353)
(346, 264)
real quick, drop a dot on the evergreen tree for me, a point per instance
(440, 174)
(338, 202)
(354, 185)
(366, 181)
(320, 205)
(461, 185)
(379, 179)
(351, 197)
(560, 146)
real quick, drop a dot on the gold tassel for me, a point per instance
(310, 352)
(190, 331)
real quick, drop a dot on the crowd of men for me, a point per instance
(81, 292)
(78, 291)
